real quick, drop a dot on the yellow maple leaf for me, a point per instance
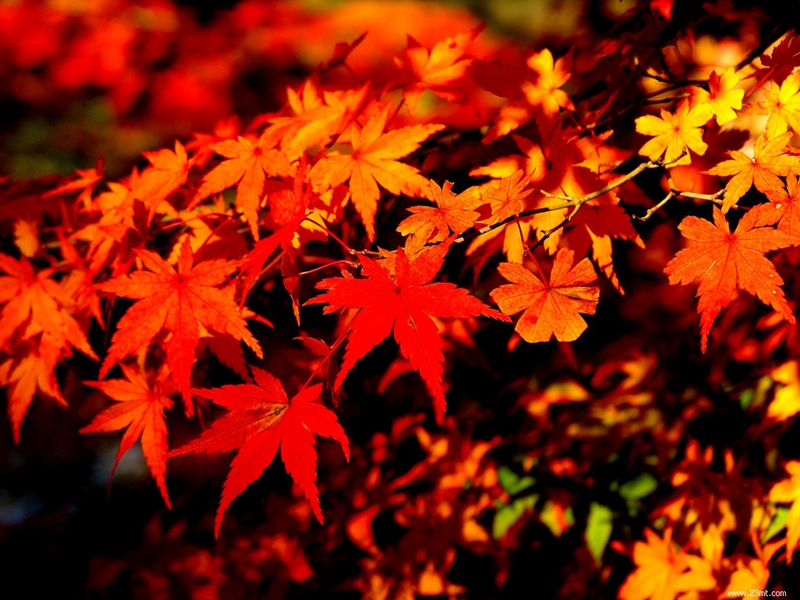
(788, 490)
(674, 134)
(763, 169)
(751, 574)
(722, 100)
(787, 399)
(782, 105)
(663, 572)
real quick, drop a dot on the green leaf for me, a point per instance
(598, 530)
(512, 483)
(778, 522)
(638, 488)
(508, 514)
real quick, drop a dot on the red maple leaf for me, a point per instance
(175, 301)
(725, 261)
(141, 410)
(261, 420)
(402, 302)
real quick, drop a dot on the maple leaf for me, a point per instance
(452, 213)
(318, 116)
(41, 304)
(787, 397)
(341, 53)
(248, 164)
(288, 208)
(599, 221)
(553, 308)
(442, 69)
(782, 104)
(26, 237)
(664, 573)
(674, 134)
(372, 163)
(32, 367)
(722, 100)
(168, 172)
(403, 303)
(783, 208)
(763, 169)
(85, 182)
(226, 129)
(506, 196)
(141, 410)
(781, 62)
(175, 301)
(788, 490)
(554, 168)
(540, 98)
(725, 261)
(263, 419)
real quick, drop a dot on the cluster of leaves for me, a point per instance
(203, 270)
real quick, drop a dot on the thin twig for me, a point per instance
(680, 83)
(347, 248)
(652, 210)
(325, 266)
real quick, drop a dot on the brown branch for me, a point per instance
(651, 211)
(569, 201)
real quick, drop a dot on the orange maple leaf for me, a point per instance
(26, 237)
(552, 308)
(318, 116)
(141, 410)
(41, 304)
(595, 225)
(674, 134)
(31, 367)
(783, 208)
(553, 167)
(452, 213)
(168, 172)
(402, 302)
(506, 197)
(763, 169)
(263, 419)
(442, 69)
(248, 164)
(85, 181)
(725, 261)
(540, 98)
(175, 301)
(788, 490)
(782, 104)
(373, 162)
(722, 100)
(664, 572)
